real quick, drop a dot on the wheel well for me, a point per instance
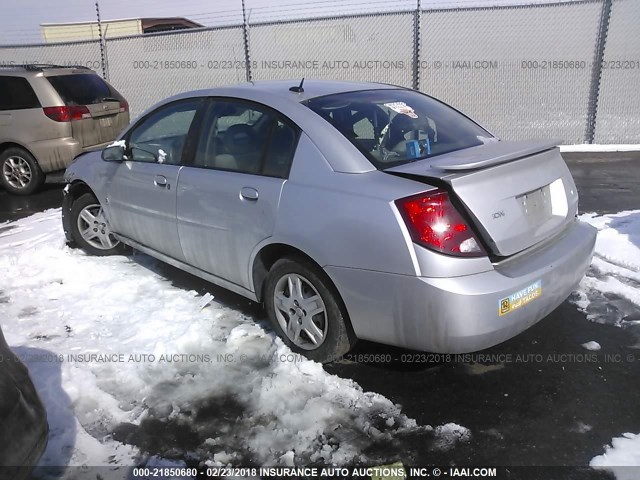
(270, 254)
(73, 191)
(6, 145)
(77, 189)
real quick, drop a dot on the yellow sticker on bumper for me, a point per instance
(520, 298)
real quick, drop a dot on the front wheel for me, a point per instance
(90, 229)
(305, 310)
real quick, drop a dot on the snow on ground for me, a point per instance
(610, 293)
(586, 147)
(623, 452)
(450, 434)
(593, 346)
(129, 365)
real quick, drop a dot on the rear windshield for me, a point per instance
(83, 89)
(392, 127)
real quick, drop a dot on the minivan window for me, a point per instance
(17, 94)
(83, 89)
(392, 127)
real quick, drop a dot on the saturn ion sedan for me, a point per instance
(351, 210)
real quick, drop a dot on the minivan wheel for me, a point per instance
(20, 174)
(305, 310)
(90, 230)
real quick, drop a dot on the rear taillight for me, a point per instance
(67, 114)
(435, 223)
(124, 106)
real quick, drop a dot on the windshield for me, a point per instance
(396, 126)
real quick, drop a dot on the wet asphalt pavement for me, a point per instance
(13, 207)
(537, 401)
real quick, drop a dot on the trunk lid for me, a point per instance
(517, 193)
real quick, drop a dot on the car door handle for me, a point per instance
(160, 181)
(249, 193)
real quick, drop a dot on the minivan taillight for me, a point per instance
(67, 114)
(124, 106)
(435, 223)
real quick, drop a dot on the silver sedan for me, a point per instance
(351, 210)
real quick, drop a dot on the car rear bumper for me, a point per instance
(55, 154)
(462, 314)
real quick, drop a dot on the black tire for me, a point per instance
(338, 338)
(80, 204)
(16, 165)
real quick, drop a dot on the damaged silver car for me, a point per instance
(351, 210)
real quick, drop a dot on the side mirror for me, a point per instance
(114, 153)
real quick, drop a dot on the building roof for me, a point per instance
(143, 19)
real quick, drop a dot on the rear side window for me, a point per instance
(83, 89)
(17, 94)
(246, 138)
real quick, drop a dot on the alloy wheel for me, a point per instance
(300, 311)
(94, 229)
(17, 172)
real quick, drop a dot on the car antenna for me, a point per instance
(299, 88)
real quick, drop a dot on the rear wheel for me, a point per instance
(20, 174)
(90, 229)
(306, 311)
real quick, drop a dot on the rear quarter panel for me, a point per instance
(31, 129)
(341, 219)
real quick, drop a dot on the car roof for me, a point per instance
(276, 94)
(28, 70)
(312, 88)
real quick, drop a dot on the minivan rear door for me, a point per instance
(106, 112)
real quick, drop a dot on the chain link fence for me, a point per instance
(519, 71)
(618, 119)
(149, 68)
(526, 71)
(376, 48)
(72, 53)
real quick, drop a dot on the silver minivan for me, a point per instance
(50, 114)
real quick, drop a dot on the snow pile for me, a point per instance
(592, 346)
(450, 434)
(586, 147)
(623, 452)
(115, 350)
(610, 292)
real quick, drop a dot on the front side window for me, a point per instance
(396, 126)
(17, 94)
(161, 136)
(246, 138)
